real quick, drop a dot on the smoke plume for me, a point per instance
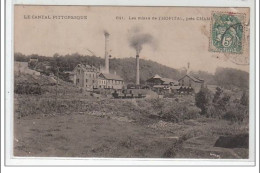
(137, 39)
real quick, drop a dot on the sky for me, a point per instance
(181, 35)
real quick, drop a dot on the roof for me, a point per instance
(110, 76)
(157, 76)
(195, 79)
(69, 72)
(165, 81)
(168, 80)
(86, 67)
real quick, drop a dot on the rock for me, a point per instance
(237, 141)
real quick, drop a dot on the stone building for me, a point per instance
(110, 81)
(191, 81)
(85, 77)
(89, 77)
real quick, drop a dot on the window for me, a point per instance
(77, 81)
(86, 80)
(182, 82)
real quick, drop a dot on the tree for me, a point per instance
(202, 100)
(218, 92)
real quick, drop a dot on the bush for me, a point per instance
(244, 99)
(158, 105)
(214, 112)
(28, 89)
(236, 113)
(219, 104)
(179, 112)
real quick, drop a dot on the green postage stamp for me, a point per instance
(227, 32)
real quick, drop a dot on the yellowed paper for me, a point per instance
(131, 82)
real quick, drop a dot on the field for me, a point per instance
(77, 125)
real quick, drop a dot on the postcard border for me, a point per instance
(8, 98)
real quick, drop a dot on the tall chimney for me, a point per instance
(137, 69)
(188, 68)
(106, 52)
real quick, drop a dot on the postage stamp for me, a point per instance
(227, 32)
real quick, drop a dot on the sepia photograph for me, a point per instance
(131, 82)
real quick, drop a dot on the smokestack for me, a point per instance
(106, 52)
(188, 68)
(137, 69)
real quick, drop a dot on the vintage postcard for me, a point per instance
(131, 82)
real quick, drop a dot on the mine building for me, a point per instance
(110, 81)
(86, 76)
(89, 77)
(163, 82)
(189, 82)
(160, 84)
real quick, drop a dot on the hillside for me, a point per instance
(125, 67)
(229, 77)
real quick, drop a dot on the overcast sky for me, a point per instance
(175, 42)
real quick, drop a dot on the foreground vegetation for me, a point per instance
(88, 126)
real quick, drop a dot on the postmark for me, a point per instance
(227, 32)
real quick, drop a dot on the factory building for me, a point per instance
(110, 81)
(162, 85)
(157, 80)
(190, 81)
(89, 77)
(85, 76)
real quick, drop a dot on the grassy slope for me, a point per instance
(117, 128)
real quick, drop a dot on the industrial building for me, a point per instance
(157, 80)
(185, 85)
(89, 77)
(110, 81)
(85, 76)
(190, 81)
(162, 85)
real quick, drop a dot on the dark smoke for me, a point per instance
(137, 39)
